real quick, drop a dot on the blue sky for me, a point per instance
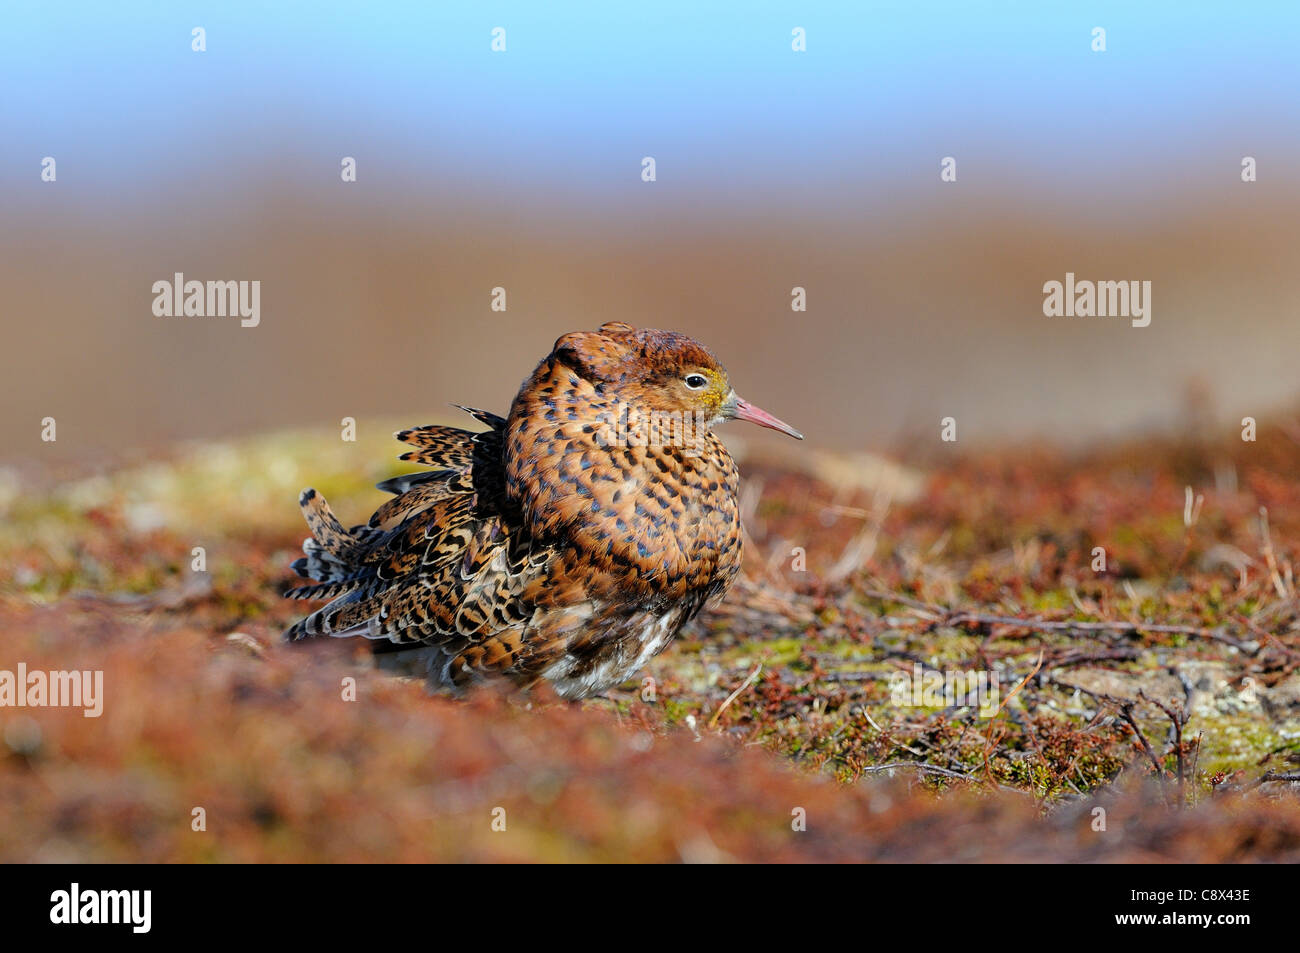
(714, 92)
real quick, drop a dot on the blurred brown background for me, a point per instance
(937, 311)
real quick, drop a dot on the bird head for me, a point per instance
(660, 371)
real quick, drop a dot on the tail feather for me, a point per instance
(326, 528)
(376, 574)
(321, 565)
(406, 481)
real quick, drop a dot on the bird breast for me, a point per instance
(652, 515)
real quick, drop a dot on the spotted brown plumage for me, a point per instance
(567, 542)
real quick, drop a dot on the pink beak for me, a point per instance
(741, 409)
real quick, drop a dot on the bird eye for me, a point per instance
(696, 381)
